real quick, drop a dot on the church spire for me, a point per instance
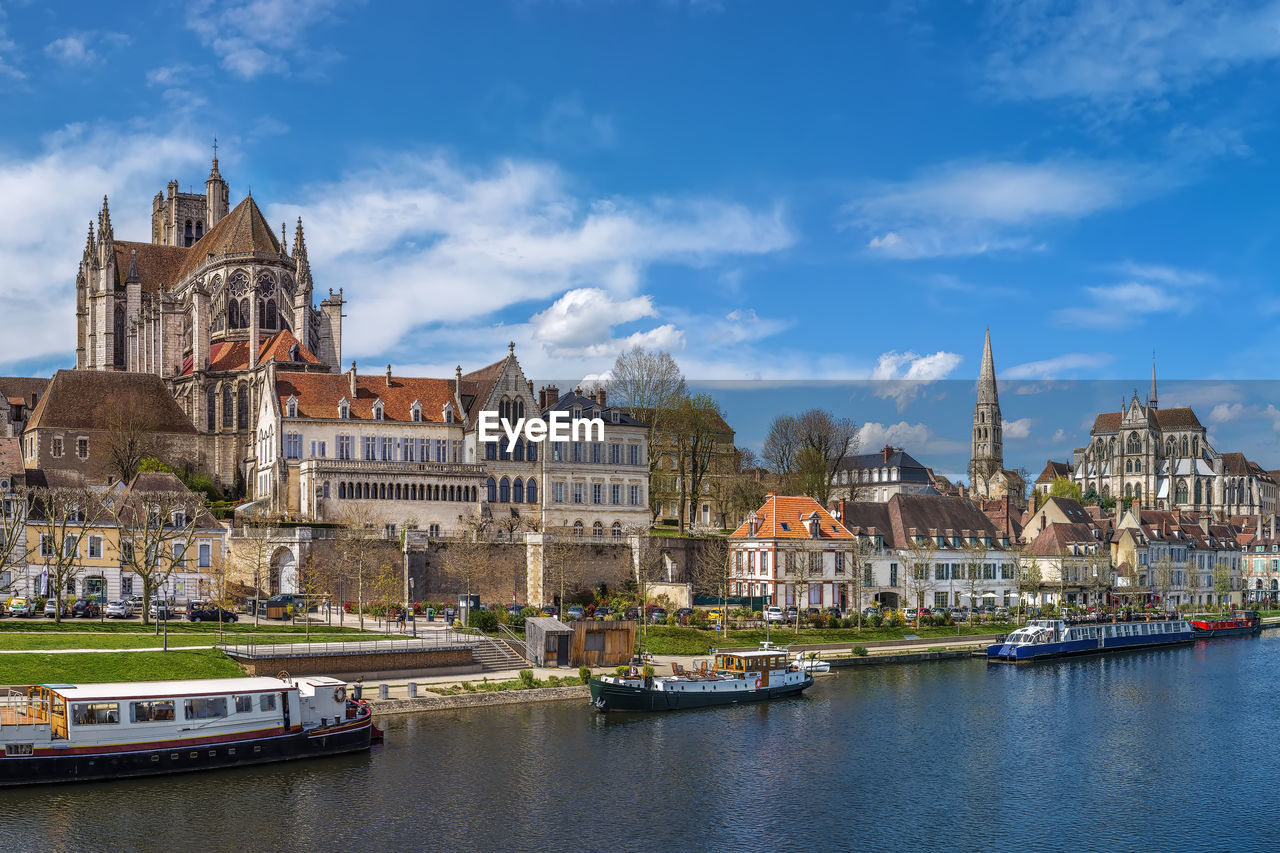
(133, 276)
(1151, 403)
(987, 445)
(987, 375)
(299, 244)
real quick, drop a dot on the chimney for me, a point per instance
(351, 377)
(600, 395)
(530, 381)
(388, 376)
(550, 395)
(887, 451)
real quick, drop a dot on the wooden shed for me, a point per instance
(604, 643)
(548, 640)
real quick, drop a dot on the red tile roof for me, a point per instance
(318, 395)
(1053, 470)
(791, 512)
(10, 456)
(234, 355)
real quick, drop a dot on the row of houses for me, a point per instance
(946, 551)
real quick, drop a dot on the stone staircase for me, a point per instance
(495, 655)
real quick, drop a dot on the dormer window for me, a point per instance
(344, 409)
(415, 412)
(613, 417)
(378, 410)
(577, 413)
(291, 407)
(448, 413)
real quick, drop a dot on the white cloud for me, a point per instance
(900, 376)
(976, 208)
(256, 37)
(1224, 412)
(1058, 367)
(1020, 428)
(1059, 435)
(434, 244)
(580, 324)
(50, 199)
(82, 48)
(1125, 54)
(915, 438)
(1150, 290)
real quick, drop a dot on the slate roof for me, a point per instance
(15, 387)
(930, 515)
(909, 469)
(479, 384)
(1057, 539)
(570, 399)
(158, 266)
(86, 400)
(781, 517)
(244, 229)
(318, 395)
(1162, 419)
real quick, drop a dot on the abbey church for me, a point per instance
(206, 305)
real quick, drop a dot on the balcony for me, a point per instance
(319, 466)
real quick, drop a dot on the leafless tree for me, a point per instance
(782, 450)
(364, 554)
(696, 427)
(746, 489)
(154, 529)
(565, 559)
(1027, 574)
(61, 517)
(13, 538)
(130, 437)
(826, 441)
(860, 571)
(713, 573)
(649, 384)
(915, 577)
(973, 556)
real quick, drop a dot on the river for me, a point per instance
(1161, 750)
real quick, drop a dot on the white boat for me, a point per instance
(811, 664)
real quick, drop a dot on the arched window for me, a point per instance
(597, 530)
(504, 491)
(1137, 466)
(199, 230)
(1186, 446)
(269, 315)
(1195, 447)
(188, 234)
(228, 408)
(118, 342)
(1170, 447)
(503, 450)
(1111, 446)
(1106, 492)
(517, 491)
(617, 530)
(518, 455)
(233, 314)
(1128, 466)
(532, 451)
(490, 450)
(342, 491)
(531, 491)
(1128, 490)
(577, 529)
(1180, 493)
(242, 407)
(491, 490)
(1134, 445)
(1199, 492)
(1137, 493)
(212, 402)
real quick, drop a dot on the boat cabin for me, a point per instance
(751, 662)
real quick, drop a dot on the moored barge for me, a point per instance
(733, 678)
(67, 732)
(1042, 639)
(1239, 623)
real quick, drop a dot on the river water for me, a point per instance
(1163, 750)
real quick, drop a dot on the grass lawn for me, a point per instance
(664, 640)
(175, 627)
(514, 684)
(39, 668)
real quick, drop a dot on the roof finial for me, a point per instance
(1152, 402)
(215, 148)
(511, 347)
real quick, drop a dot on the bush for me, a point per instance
(485, 620)
(622, 670)
(698, 619)
(757, 615)
(527, 680)
(859, 651)
(584, 672)
(515, 623)
(818, 620)
(529, 611)
(877, 620)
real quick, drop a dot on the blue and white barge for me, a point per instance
(1051, 638)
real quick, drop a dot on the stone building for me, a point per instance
(212, 296)
(18, 398)
(988, 478)
(791, 551)
(881, 475)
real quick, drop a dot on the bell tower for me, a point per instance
(987, 444)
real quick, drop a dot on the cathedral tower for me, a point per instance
(987, 448)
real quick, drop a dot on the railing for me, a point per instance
(434, 640)
(515, 641)
(392, 467)
(19, 709)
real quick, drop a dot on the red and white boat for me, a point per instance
(68, 732)
(1240, 622)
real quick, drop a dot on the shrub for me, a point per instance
(698, 619)
(527, 680)
(818, 620)
(622, 670)
(515, 623)
(648, 671)
(485, 620)
(877, 620)
(529, 611)
(757, 615)
(859, 651)
(584, 672)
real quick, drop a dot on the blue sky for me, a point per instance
(775, 191)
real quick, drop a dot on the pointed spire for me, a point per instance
(214, 174)
(284, 247)
(132, 277)
(299, 243)
(1151, 403)
(987, 375)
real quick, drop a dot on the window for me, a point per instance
(205, 709)
(531, 452)
(292, 445)
(70, 546)
(56, 448)
(615, 454)
(635, 496)
(291, 408)
(893, 574)
(416, 412)
(617, 530)
(344, 410)
(504, 491)
(266, 701)
(82, 448)
(491, 490)
(387, 453)
(633, 454)
(597, 530)
(577, 493)
(557, 492)
(597, 453)
(377, 410)
(369, 448)
(615, 494)
(577, 451)
(95, 713)
(95, 547)
(318, 450)
(867, 579)
(940, 572)
(244, 704)
(597, 493)
(490, 450)
(345, 443)
(206, 552)
(839, 562)
(151, 711)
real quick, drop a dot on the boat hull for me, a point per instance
(1239, 631)
(353, 736)
(617, 697)
(1048, 651)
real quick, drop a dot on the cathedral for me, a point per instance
(212, 299)
(988, 478)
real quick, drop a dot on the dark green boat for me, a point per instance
(734, 678)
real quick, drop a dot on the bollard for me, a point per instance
(382, 691)
(413, 690)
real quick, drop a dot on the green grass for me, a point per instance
(175, 627)
(39, 668)
(663, 640)
(497, 686)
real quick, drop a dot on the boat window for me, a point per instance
(206, 709)
(244, 704)
(95, 713)
(267, 702)
(151, 711)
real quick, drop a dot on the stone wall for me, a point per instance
(433, 661)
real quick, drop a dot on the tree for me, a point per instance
(782, 451)
(1027, 573)
(565, 561)
(61, 517)
(13, 538)
(467, 556)
(129, 437)
(217, 594)
(364, 555)
(713, 573)
(696, 429)
(915, 577)
(1163, 578)
(973, 557)
(860, 572)
(251, 553)
(745, 490)
(649, 385)
(1222, 582)
(649, 563)
(826, 441)
(1063, 487)
(1101, 582)
(153, 530)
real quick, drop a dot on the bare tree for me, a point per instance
(860, 572)
(713, 572)
(973, 556)
(782, 450)
(826, 441)
(251, 554)
(130, 437)
(745, 490)
(60, 517)
(649, 385)
(1222, 582)
(1027, 573)
(13, 538)
(649, 564)
(565, 560)
(697, 428)
(362, 553)
(154, 529)
(915, 577)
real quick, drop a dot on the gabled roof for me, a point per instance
(89, 399)
(242, 230)
(234, 355)
(1052, 471)
(159, 267)
(568, 401)
(23, 387)
(318, 395)
(909, 468)
(1176, 419)
(718, 423)
(1057, 539)
(10, 456)
(481, 382)
(783, 518)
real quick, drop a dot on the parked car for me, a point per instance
(868, 612)
(791, 612)
(550, 610)
(575, 612)
(714, 616)
(909, 614)
(86, 607)
(773, 613)
(135, 601)
(683, 614)
(51, 608)
(602, 611)
(19, 606)
(514, 610)
(632, 613)
(161, 610)
(657, 615)
(203, 612)
(119, 610)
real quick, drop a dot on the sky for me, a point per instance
(804, 191)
